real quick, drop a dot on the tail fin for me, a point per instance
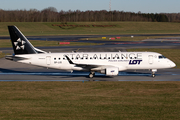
(20, 43)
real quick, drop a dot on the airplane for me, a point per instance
(108, 63)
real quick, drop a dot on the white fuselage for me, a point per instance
(102, 60)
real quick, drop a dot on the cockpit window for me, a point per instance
(161, 57)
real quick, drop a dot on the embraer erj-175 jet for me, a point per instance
(108, 63)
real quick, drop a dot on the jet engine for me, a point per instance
(110, 71)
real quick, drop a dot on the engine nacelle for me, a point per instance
(112, 71)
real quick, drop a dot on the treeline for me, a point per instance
(173, 17)
(52, 15)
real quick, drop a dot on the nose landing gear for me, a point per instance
(153, 72)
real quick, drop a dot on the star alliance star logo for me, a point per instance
(19, 44)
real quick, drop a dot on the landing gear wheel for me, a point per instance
(153, 75)
(91, 75)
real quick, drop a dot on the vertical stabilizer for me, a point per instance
(20, 43)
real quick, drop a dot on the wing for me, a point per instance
(95, 67)
(86, 66)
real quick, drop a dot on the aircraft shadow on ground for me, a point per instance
(2, 70)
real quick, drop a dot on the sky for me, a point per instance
(145, 6)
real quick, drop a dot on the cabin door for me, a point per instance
(150, 59)
(48, 60)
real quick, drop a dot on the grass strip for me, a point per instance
(39, 43)
(129, 38)
(47, 28)
(89, 100)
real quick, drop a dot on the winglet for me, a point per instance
(70, 62)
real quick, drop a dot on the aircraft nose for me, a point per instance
(172, 64)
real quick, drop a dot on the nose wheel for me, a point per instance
(153, 75)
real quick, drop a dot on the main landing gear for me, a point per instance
(153, 72)
(91, 74)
